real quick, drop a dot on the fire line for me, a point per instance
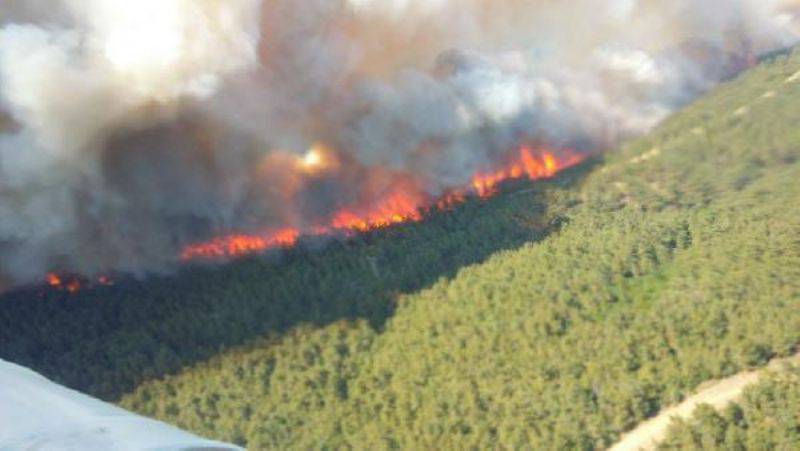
(399, 207)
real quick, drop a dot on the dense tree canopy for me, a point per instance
(552, 317)
(768, 417)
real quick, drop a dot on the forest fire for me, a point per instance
(59, 283)
(241, 244)
(527, 164)
(398, 208)
(131, 146)
(72, 284)
(405, 204)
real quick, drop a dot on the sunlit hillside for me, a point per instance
(556, 315)
(765, 418)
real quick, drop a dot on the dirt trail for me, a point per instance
(717, 394)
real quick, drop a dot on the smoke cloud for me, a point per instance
(129, 129)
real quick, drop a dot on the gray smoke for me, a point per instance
(129, 129)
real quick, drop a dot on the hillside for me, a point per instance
(554, 317)
(719, 394)
(766, 418)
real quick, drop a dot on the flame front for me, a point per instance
(397, 208)
(526, 164)
(59, 283)
(234, 245)
(404, 203)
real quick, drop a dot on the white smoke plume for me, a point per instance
(131, 128)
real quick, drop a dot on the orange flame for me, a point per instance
(56, 282)
(234, 245)
(527, 164)
(404, 204)
(53, 280)
(397, 208)
(73, 283)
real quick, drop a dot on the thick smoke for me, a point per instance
(129, 129)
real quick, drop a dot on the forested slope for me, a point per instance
(557, 317)
(105, 340)
(678, 261)
(768, 417)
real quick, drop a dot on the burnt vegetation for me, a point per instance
(557, 317)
